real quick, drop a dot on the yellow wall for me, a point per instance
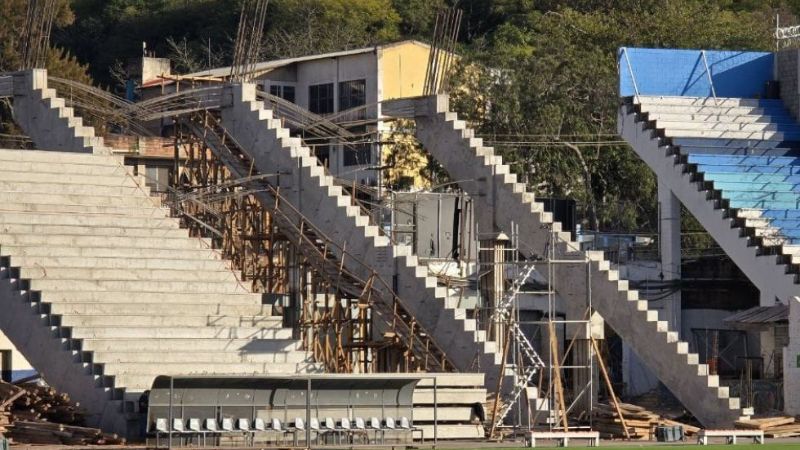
(402, 68)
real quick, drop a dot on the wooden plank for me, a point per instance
(765, 423)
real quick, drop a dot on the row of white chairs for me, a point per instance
(343, 429)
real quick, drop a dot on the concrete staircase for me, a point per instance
(102, 291)
(733, 163)
(305, 183)
(505, 204)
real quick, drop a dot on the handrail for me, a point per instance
(708, 74)
(630, 71)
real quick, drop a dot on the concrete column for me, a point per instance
(670, 241)
(492, 283)
(791, 361)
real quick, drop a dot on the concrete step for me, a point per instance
(147, 233)
(62, 168)
(729, 111)
(177, 345)
(720, 116)
(61, 285)
(88, 210)
(119, 179)
(162, 309)
(721, 102)
(81, 240)
(33, 187)
(88, 220)
(90, 199)
(754, 135)
(205, 368)
(172, 297)
(201, 357)
(72, 253)
(41, 272)
(687, 124)
(54, 158)
(222, 332)
(147, 319)
(197, 264)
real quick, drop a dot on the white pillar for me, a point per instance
(670, 241)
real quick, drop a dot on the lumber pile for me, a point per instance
(774, 427)
(641, 422)
(34, 414)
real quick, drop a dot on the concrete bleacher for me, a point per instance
(729, 154)
(712, 128)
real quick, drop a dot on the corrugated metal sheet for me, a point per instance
(761, 315)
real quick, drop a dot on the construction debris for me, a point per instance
(35, 414)
(774, 427)
(641, 422)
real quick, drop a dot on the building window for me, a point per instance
(157, 179)
(357, 155)
(352, 94)
(320, 98)
(284, 92)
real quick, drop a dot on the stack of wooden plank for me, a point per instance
(35, 414)
(641, 423)
(774, 427)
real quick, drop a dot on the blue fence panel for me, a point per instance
(674, 72)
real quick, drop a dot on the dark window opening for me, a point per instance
(353, 94)
(320, 98)
(357, 155)
(284, 92)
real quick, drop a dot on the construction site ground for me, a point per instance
(770, 444)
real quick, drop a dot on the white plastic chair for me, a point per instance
(375, 425)
(299, 427)
(313, 425)
(277, 427)
(212, 427)
(162, 427)
(243, 424)
(179, 427)
(196, 428)
(329, 425)
(406, 425)
(360, 429)
(345, 429)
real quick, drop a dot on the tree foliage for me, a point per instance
(549, 74)
(536, 74)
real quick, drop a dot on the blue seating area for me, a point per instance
(761, 177)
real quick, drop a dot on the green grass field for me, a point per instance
(686, 446)
(767, 446)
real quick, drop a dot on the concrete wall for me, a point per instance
(787, 74)
(336, 70)
(791, 361)
(676, 72)
(20, 367)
